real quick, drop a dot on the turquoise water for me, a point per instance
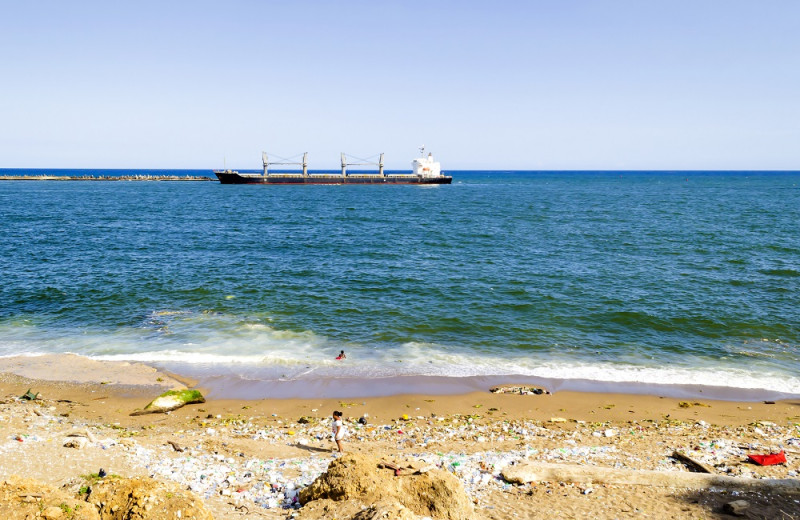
(636, 279)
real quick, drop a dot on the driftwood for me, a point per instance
(175, 446)
(391, 466)
(86, 433)
(402, 471)
(692, 464)
(536, 472)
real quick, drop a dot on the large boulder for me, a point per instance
(354, 477)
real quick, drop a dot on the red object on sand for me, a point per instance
(768, 460)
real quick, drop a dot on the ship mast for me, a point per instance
(364, 162)
(265, 160)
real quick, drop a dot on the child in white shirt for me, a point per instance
(338, 430)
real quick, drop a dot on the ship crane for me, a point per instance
(284, 161)
(365, 162)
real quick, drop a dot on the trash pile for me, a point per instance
(726, 456)
(517, 389)
(276, 482)
(475, 448)
(268, 483)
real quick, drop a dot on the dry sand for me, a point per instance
(261, 441)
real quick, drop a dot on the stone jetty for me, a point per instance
(139, 177)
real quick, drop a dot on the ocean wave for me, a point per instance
(423, 360)
(210, 344)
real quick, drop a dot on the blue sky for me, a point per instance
(485, 85)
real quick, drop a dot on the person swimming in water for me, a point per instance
(341, 356)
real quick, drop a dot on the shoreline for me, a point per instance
(73, 368)
(576, 407)
(233, 387)
(137, 382)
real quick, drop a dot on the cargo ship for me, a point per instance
(424, 171)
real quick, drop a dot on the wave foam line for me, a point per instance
(298, 366)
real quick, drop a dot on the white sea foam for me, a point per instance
(427, 360)
(211, 344)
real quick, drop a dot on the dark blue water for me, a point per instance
(686, 278)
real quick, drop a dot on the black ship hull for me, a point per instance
(233, 177)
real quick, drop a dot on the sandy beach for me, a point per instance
(248, 457)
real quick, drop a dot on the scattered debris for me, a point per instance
(29, 396)
(534, 472)
(768, 460)
(516, 389)
(425, 441)
(687, 404)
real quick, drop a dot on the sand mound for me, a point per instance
(325, 509)
(436, 493)
(141, 499)
(109, 499)
(23, 498)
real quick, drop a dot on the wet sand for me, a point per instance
(478, 430)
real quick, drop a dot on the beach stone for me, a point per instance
(171, 400)
(76, 442)
(145, 499)
(52, 513)
(355, 477)
(736, 508)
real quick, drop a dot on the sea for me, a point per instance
(682, 283)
